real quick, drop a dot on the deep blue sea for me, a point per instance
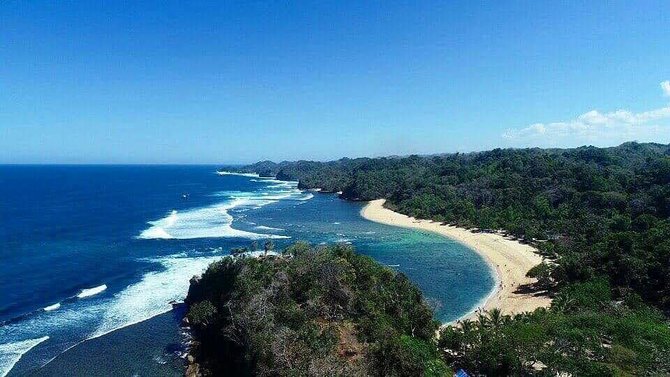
(92, 256)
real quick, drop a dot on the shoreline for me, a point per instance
(509, 260)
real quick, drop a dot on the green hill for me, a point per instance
(311, 311)
(600, 215)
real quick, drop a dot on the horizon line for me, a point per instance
(314, 160)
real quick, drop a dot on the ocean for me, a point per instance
(92, 256)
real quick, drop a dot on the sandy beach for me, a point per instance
(509, 259)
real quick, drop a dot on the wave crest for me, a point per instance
(88, 292)
(52, 307)
(253, 175)
(216, 221)
(132, 305)
(11, 353)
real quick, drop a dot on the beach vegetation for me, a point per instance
(582, 334)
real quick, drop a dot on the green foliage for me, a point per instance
(592, 295)
(601, 211)
(600, 215)
(586, 342)
(407, 356)
(201, 314)
(543, 273)
(324, 311)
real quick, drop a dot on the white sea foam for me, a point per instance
(258, 253)
(263, 227)
(11, 353)
(282, 185)
(52, 307)
(307, 197)
(67, 320)
(140, 301)
(206, 222)
(216, 221)
(152, 295)
(171, 219)
(253, 175)
(273, 180)
(88, 292)
(155, 233)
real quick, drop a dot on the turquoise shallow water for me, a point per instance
(106, 249)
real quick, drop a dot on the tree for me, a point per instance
(542, 272)
(326, 311)
(202, 314)
(267, 247)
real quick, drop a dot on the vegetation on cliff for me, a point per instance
(311, 311)
(602, 211)
(600, 215)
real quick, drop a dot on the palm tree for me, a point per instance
(468, 328)
(495, 318)
(482, 321)
(562, 303)
(466, 325)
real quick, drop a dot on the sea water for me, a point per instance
(93, 256)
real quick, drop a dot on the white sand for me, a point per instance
(510, 259)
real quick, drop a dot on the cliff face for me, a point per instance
(325, 311)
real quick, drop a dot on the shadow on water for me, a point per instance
(149, 348)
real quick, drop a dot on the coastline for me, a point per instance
(508, 259)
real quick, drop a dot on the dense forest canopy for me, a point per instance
(327, 311)
(600, 216)
(595, 211)
(311, 311)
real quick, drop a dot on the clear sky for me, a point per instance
(200, 82)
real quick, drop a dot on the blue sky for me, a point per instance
(183, 82)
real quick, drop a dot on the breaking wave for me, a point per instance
(252, 175)
(150, 296)
(88, 292)
(52, 307)
(133, 305)
(263, 227)
(11, 353)
(206, 222)
(216, 221)
(89, 314)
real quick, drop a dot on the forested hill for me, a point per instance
(600, 215)
(601, 211)
(323, 311)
